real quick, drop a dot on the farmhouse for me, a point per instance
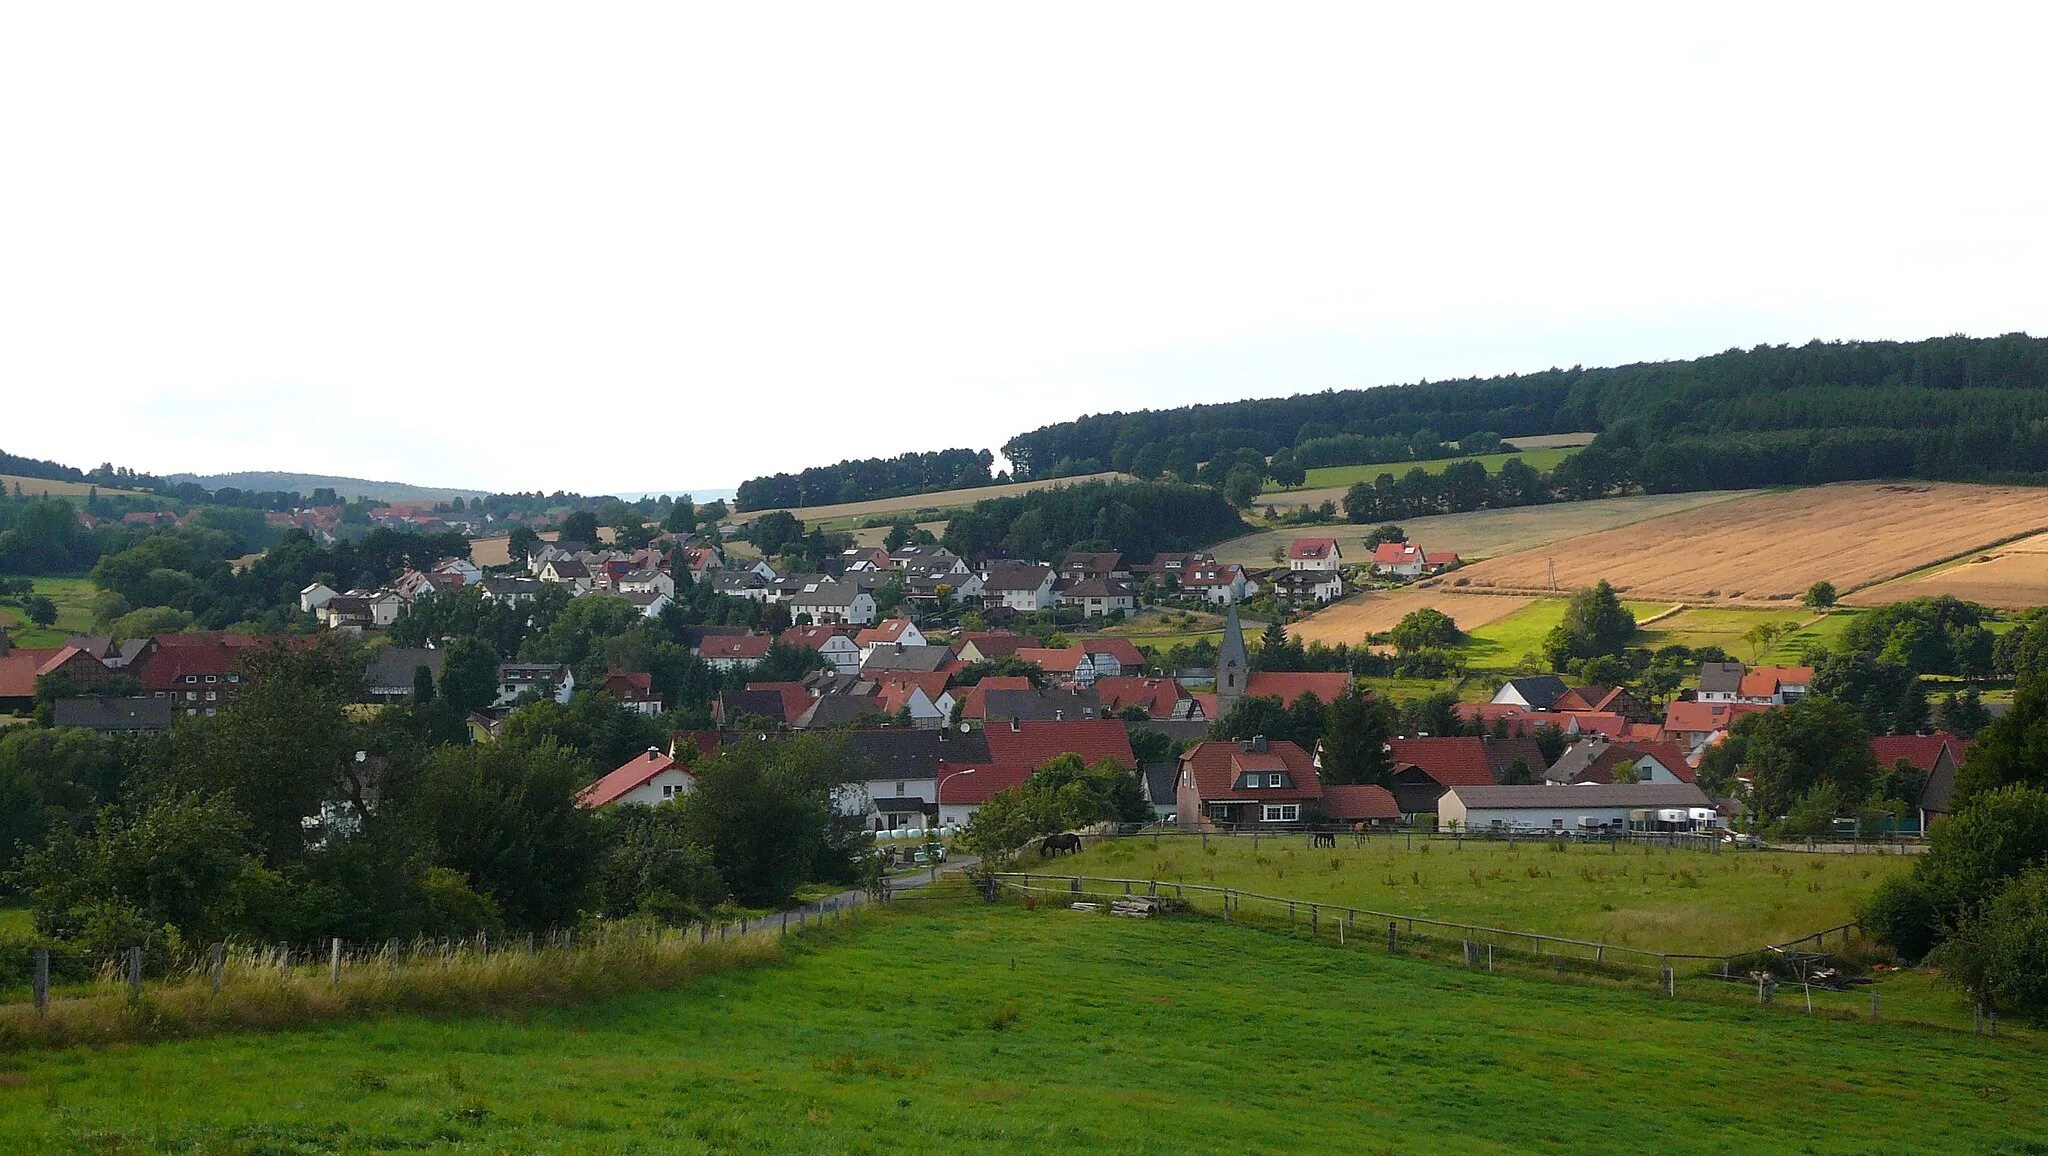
(1308, 587)
(1216, 583)
(829, 641)
(543, 679)
(1244, 785)
(1939, 754)
(1676, 806)
(1361, 805)
(1537, 692)
(1596, 760)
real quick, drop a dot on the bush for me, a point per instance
(1902, 914)
(1999, 954)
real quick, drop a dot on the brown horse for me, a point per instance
(1322, 839)
(1058, 844)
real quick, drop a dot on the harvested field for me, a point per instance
(1485, 533)
(1771, 547)
(497, 551)
(1551, 441)
(940, 500)
(37, 487)
(1351, 620)
(2011, 577)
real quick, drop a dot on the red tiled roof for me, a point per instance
(796, 699)
(1593, 722)
(18, 670)
(1064, 660)
(1919, 750)
(809, 637)
(634, 774)
(166, 669)
(735, 646)
(1359, 802)
(1587, 698)
(1218, 766)
(974, 703)
(896, 686)
(1452, 762)
(1155, 695)
(886, 631)
(1442, 558)
(1288, 686)
(1312, 549)
(1126, 651)
(706, 742)
(1033, 743)
(1682, 717)
(984, 784)
(1395, 553)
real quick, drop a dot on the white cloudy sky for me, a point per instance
(608, 247)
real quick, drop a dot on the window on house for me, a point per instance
(1282, 812)
(212, 695)
(1557, 824)
(212, 678)
(191, 678)
(1273, 780)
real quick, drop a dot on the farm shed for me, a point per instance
(1564, 808)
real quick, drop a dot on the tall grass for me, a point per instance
(259, 988)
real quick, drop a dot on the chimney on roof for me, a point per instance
(1258, 742)
(1015, 726)
(1059, 716)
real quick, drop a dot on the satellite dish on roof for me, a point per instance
(965, 727)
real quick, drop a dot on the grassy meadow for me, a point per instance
(73, 597)
(1000, 1029)
(1659, 900)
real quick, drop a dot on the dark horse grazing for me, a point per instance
(1322, 839)
(1055, 844)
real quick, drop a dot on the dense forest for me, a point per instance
(1136, 518)
(1949, 408)
(869, 478)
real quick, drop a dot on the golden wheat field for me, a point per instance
(1351, 620)
(1771, 547)
(2009, 577)
(38, 487)
(1484, 533)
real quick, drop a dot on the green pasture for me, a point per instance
(1000, 1029)
(1660, 900)
(73, 597)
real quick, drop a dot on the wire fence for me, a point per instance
(1804, 962)
(1711, 842)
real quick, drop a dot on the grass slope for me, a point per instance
(1662, 900)
(73, 597)
(1004, 1030)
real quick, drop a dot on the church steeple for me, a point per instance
(1233, 665)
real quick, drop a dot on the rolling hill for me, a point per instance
(346, 487)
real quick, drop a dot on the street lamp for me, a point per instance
(940, 787)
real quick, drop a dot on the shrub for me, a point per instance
(1999, 954)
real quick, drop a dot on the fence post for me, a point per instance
(334, 961)
(1489, 959)
(785, 923)
(1670, 982)
(1315, 918)
(134, 973)
(1873, 1003)
(42, 980)
(1390, 937)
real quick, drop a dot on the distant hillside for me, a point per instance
(345, 487)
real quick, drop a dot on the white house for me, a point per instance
(1402, 559)
(567, 572)
(1314, 554)
(1215, 583)
(548, 679)
(827, 602)
(1576, 808)
(889, 632)
(645, 780)
(461, 568)
(1098, 597)
(650, 603)
(738, 583)
(1021, 587)
(647, 582)
(1309, 587)
(315, 598)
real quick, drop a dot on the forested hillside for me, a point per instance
(1952, 407)
(866, 479)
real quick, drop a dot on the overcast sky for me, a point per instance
(608, 248)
